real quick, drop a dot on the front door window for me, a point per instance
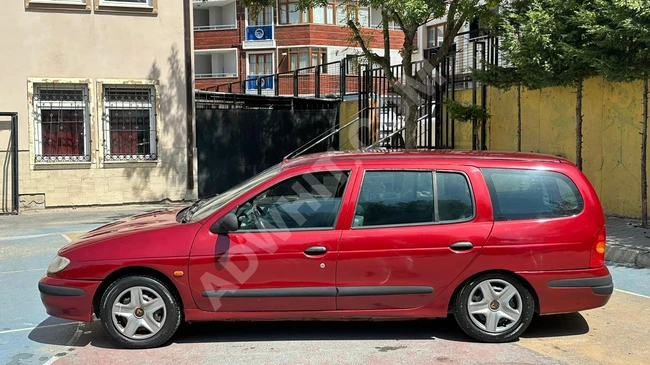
(306, 201)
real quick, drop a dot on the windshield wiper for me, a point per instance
(194, 207)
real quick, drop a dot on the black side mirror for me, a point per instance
(225, 224)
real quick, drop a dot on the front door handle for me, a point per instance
(315, 250)
(461, 246)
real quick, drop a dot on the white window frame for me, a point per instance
(38, 128)
(62, 2)
(75, 5)
(126, 4)
(248, 66)
(107, 106)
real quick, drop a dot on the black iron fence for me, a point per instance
(427, 89)
(333, 79)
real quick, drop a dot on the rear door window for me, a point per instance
(395, 198)
(389, 198)
(531, 194)
(454, 197)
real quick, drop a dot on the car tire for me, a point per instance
(494, 307)
(139, 312)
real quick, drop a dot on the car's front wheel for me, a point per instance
(494, 307)
(139, 312)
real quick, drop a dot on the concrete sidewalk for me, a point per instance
(627, 242)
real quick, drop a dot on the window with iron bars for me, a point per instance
(62, 123)
(129, 117)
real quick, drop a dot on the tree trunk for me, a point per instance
(644, 147)
(579, 124)
(519, 118)
(410, 122)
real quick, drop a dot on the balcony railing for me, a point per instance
(215, 27)
(215, 75)
(263, 82)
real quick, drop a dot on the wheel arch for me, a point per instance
(512, 274)
(132, 271)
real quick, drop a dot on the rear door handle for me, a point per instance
(461, 246)
(315, 250)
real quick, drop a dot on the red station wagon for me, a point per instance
(492, 238)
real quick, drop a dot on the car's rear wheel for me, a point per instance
(494, 307)
(139, 312)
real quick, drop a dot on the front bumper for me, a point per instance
(69, 299)
(569, 291)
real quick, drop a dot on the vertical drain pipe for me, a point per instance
(189, 92)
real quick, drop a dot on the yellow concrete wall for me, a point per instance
(611, 142)
(348, 137)
(463, 130)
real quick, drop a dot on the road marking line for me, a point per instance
(39, 327)
(76, 335)
(52, 360)
(66, 238)
(19, 271)
(629, 292)
(16, 238)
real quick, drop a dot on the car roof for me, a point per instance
(435, 155)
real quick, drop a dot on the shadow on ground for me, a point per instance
(75, 334)
(557, 325)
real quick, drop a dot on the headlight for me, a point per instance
(59, 263)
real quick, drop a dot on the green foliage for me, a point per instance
(546, 41)
(465, 112)
(503, 78)
(619, 37)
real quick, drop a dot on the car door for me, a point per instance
(283, 257)
(412, 232)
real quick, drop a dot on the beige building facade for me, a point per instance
(100, 91)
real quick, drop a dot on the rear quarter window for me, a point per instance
(531, 194)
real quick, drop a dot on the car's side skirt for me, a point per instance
(318, 291)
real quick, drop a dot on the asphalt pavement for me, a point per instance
(614, 334)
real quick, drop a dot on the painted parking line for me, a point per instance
(21, 271)
(26, 237)
(631, 293)
(39, 327)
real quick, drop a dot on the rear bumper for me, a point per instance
(599, 285)
(568, 291)
(69, 299)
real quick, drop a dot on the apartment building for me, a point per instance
(231, 44)
(100, 91)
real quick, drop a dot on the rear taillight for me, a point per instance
(598, 249)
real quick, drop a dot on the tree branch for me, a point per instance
(400, 22)
(384, 23)
(453, 27)
(384, 62)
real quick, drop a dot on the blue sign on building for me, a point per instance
(266, 82)
(259, 33)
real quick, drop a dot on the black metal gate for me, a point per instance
(238, 136)
(9, 183)
(383, 110)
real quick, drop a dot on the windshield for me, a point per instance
(216, 202)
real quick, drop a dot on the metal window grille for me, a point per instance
(129, 123)
(62, 123)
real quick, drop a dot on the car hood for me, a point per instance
(136, 224)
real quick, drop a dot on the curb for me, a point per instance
(635, 257)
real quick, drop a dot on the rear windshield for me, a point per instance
(531, 194)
